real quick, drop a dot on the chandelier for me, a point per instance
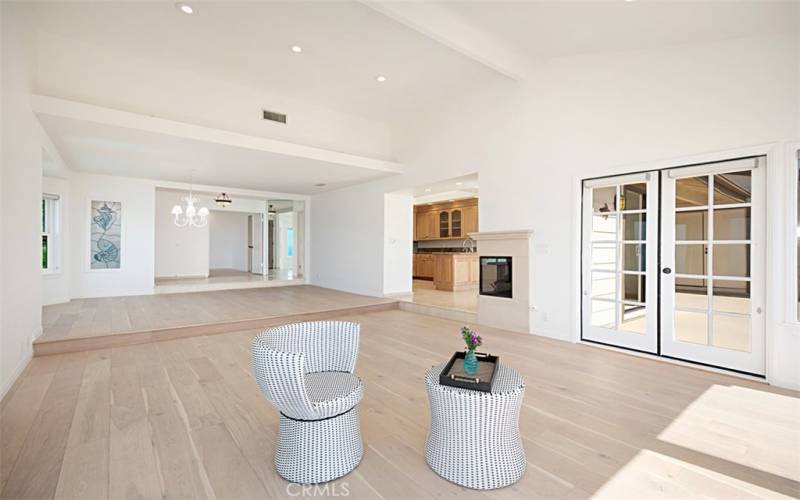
(223, 200)
(190, 216)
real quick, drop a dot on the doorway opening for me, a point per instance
(445, 269)
(286, 236)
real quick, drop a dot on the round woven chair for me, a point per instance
(306, 371)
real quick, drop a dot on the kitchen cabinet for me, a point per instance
(441, 221)
(455, 271)
(423, 265)
(425, 226)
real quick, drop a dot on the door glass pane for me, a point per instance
(691, 327)
(732, 260)
(633, 257)
(603, 285)
(690, 259)
(604, 199)
(603, 313)
(634, 318)
(731, 296)
(604, 228)
(691, 225)
(691, 192)
(732, 223)
(634, 226)
(633, 287)
(733, 187)
(604, 256)
(732, 332)
(634, 197)
(691, 293)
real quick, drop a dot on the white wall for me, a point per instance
(180, 251)
(398, 241)
(228, 232)
(56, 284)
(531, 142)
(136, 275)
(23, 141)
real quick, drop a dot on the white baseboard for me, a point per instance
(7, 384)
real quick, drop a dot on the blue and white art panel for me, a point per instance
(106, 236)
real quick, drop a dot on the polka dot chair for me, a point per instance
(306, 371)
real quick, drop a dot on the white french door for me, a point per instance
(620, 241)
(713, 264)
(673, 263)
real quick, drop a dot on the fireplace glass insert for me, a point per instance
(496, 276)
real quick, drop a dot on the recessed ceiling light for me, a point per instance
(459, 183)
(380, 78)
(185, 8)
(427, 190)
(297, 49)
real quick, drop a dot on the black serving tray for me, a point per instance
(454, 375)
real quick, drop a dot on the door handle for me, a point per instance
(666, 270)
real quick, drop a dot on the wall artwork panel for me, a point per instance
(106, 235)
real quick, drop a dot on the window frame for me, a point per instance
(51, 229)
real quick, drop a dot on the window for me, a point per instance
(50, 232)
(290, 242)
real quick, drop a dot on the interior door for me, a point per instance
(620, 264)
(713, 264)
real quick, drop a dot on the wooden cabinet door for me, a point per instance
(444, 224)
(430, 224)
(456, 223)
(426, 266)
(469, 220)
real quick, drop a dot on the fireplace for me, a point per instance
(495, 276)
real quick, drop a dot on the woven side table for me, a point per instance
(474, 439)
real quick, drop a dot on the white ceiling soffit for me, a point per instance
(105, 141)
(63, 108)
(446, 188)
(440, 24)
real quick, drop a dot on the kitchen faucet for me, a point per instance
(468, 245)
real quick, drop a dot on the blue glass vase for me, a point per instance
(470, 362)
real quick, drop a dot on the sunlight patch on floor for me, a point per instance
(662, 476)
(757, 429)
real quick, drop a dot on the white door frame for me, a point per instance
(775, 158)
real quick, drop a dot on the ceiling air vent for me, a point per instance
(273, 116)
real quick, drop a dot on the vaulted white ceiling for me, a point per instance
(346, 45)
(144, 57)
(546, 29)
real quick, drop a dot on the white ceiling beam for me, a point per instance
(442, 25)
(53, 106)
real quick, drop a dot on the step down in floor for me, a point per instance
(76, 344)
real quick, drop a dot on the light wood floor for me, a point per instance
(104, 316)
(184, 418)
